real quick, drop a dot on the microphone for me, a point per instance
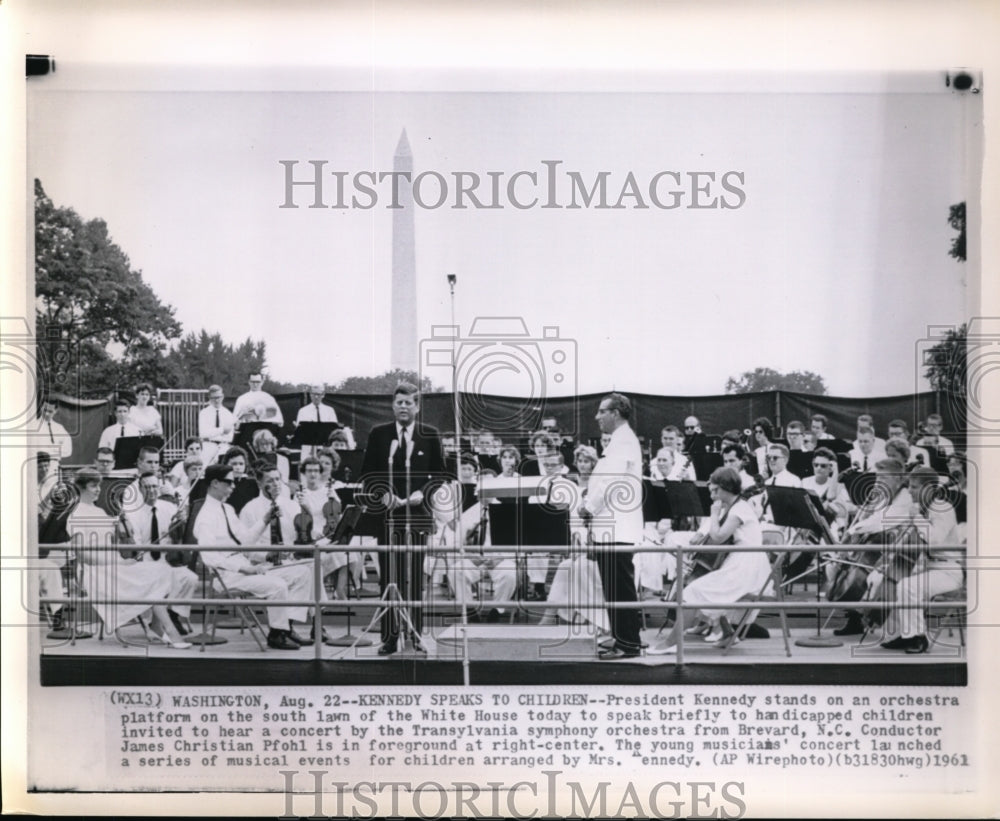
(393, 447)
(409, 450)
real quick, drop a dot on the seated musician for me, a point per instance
(898, 449)
(865, 421)
(510, 458)
(341, 439)
(577, 578)
(555, 486)
(932, 435)
(778, 474)
(833, 496)
(818, 424)
(866, 451)
(105, 461)
(150, 524)
(215, 524)
(192, 448)
(938, 568)
(497, 568)
(541, 443)
(321, 500)
(265, 446)
(113, 575)
(886, 508)
(678, 467)
(695, 440)
(121, 428)
(810, 441)
(795, 435)
(731, 521)
(237, 459)
(899, 432)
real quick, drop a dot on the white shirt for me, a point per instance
(54, 440)
(943, 445)
(614, 494)
(210, 528)
(784, 479)
(252, 518)
(208, 430)
(112, 433)
(310, 413)
(261, 401)
(858, 458)
(141, 521)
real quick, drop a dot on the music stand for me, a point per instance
(488, 461)
(687, 499)
(127, 451)
(794, 507)
(655, 505)
(704, 462)
(350, 465)
(314, 434)
(111, 499)
(342, 534)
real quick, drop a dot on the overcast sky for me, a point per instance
(836, 262)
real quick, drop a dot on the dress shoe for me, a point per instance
(180, 645)
(663, 650)
(280, 640)
(618, 652)
(897, 643)
(388, 648)
(302, 641)
(918, 644)
(606, 644)
(853, 627)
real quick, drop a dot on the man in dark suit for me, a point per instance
(402, 457)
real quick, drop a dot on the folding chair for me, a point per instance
(952, 617)
(240, 605)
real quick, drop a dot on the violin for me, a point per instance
(124, 536)
(275, 556)
(331, 510)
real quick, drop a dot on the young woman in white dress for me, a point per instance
(732, 520)
(143, 415)
(108, 575)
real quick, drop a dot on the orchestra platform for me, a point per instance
(516, 653)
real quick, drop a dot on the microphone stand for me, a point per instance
(457, 523)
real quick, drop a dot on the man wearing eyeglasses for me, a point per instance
(257, 405)
(694, 439)
(833, 496)
(214, 523)
(105, 461)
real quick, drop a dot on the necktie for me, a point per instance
(123, 431)
(52, 436)
(229, 530)
(866, 463)
(217, 418)
(276, 531)
(154, 532)
(401, 452)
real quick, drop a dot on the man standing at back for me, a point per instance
(411, 455)
(257, 405)
(613, 513)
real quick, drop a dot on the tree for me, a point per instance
(945, 364)
(86, 291)
(768, 379)
(385, 383)
(205, 359)
(956, 219)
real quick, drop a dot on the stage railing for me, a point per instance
(318, 601)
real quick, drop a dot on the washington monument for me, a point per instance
(404, 268)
